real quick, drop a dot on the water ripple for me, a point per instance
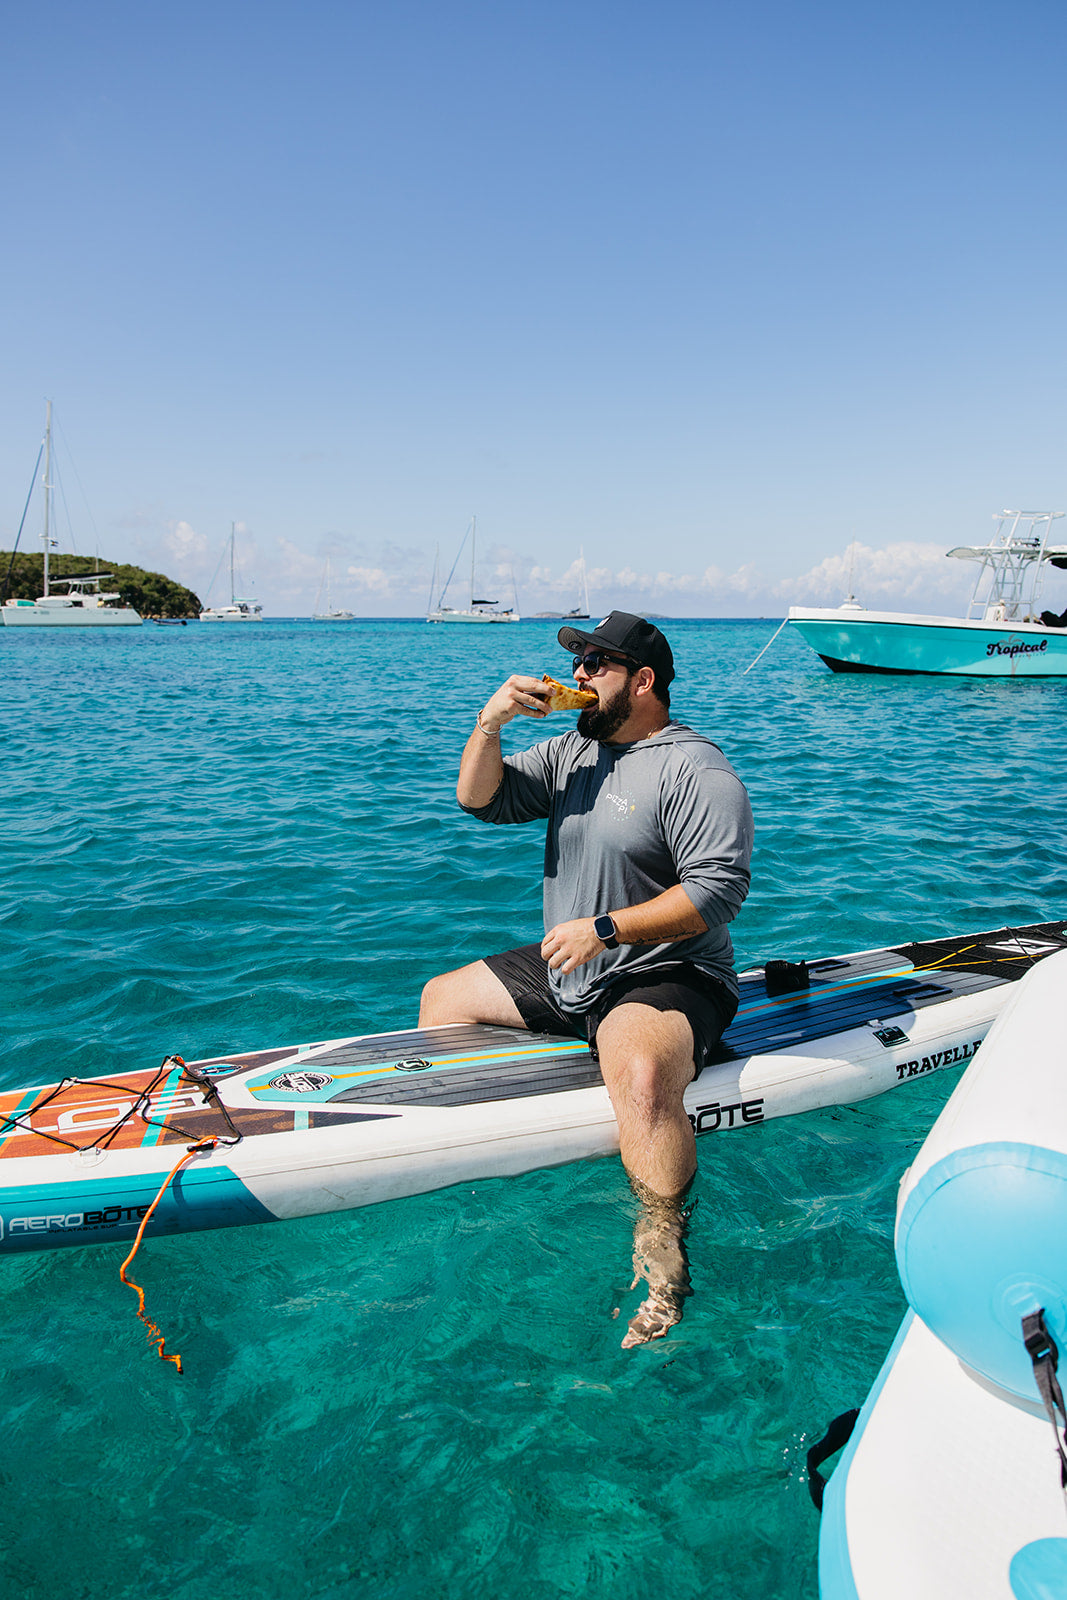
(219, 839)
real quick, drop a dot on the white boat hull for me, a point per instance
(473, 616)
(63, 616)
(895, 642)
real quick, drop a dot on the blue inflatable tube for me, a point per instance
(981, 1237)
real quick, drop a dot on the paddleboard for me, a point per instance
(338, 1123)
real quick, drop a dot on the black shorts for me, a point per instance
(708, 1006)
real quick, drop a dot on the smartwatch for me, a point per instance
(604, 928)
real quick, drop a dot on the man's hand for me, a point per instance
(519, 697)
(571, 944)
(481, 769)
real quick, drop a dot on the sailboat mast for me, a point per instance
(233, 589)
(47, 490)
(433, 580)
(474, 525)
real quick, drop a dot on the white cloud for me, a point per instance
(393, 580)
(746, 581)
(296, 566)
(374, 581)
(905, 571)
(184, 543)
(904, 574)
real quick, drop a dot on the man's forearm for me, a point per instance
(481, 769)
(671, 915)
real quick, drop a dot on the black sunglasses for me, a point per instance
(593, 660)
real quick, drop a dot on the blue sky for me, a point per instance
(709, 290)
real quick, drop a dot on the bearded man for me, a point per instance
(646, 861)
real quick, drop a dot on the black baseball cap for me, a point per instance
(629, 636)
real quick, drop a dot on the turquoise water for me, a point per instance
(215, 839)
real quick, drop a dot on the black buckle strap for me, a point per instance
(836, 1436)
(785, 977)
(1041, 1348)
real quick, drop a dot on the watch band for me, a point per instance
(604, 928)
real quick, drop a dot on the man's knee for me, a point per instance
(653, 1089)
(647, 1058)
(441, 999)
(469, 994)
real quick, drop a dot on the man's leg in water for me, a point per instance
(470, 994)
(646, 1057)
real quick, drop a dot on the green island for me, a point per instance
(149, 593)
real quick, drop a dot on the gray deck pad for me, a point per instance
(469, 1064)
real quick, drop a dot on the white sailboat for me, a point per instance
(82, 604)
(327, 612)
(238, 610)
(477, 610)
(581, 610)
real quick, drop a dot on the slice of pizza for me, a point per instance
(563, 698)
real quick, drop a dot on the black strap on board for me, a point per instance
(1041, 1348)
(785, 977)
(836, 1436)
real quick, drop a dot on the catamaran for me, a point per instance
(477, 610)
(1005, 634)
(238, 610)
(82, 603)
(328, 612)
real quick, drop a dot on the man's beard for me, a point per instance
(600, 722)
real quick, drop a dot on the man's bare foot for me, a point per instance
(655, 1316)
(660, 1258)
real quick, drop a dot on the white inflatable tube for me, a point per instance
(947, 1490)
(981, 1236)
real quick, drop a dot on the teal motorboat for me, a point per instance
(1005, 634)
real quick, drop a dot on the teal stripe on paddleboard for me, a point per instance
(154, 1135)
(266, 1092)
(98, 1210)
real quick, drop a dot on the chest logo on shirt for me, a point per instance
(622, 806)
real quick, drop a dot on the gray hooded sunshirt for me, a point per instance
(625, 823)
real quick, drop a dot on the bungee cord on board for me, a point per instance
(138, 1107)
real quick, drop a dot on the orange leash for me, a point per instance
(155, 1336)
